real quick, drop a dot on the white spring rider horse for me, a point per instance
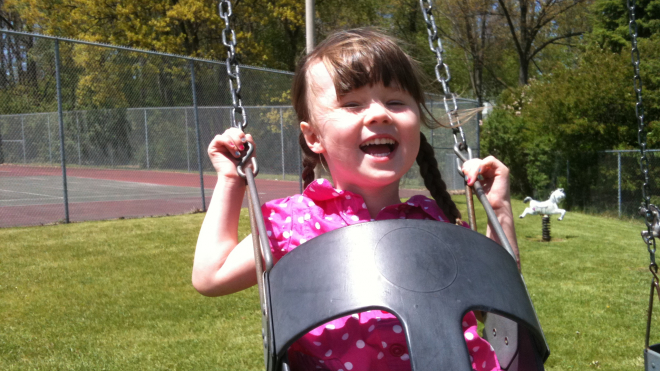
(546, 207)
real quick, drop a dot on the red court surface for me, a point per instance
(137, 193)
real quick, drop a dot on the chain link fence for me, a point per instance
(604, 182)
(617, 185)
(91, 131)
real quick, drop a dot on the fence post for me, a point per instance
(61, 119)
(146, 136)
(619, 166)
(199, 143)
(78, 137)
(282, 140)
(185, 111)
(2, 153)
(50, 148)
(23, 134)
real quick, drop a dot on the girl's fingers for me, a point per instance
(231, 143)
(236, 140)
(471, 169)
(489, 167)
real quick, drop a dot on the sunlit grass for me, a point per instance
(589, 286)
(116, 295)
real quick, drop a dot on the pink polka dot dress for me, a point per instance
(372, 340)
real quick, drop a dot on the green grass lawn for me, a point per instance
(116, 295)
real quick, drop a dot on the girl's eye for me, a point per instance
(350, 105)
(395, 103)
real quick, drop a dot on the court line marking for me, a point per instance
(107, 198)
(29, 193)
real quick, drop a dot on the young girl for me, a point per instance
(360, 107)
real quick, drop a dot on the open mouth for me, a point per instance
(379, 147)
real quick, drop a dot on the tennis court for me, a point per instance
(33, 195)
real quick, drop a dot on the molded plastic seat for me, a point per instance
(652, 358)
(428, 274)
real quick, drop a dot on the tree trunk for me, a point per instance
(294, 36)
(523, 70)
(524, 46)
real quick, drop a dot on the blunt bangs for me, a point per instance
(357, 58)
(365, 57)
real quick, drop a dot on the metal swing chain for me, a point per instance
(435, 44)
(233, 70)
(262, 254)
(238, 114)
(641, 135)
(649, 240)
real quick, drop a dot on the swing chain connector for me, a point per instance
(244, 161)
(461, 145)
(238, 115)
(435, 44)
(647, 208)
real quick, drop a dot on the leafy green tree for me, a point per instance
(535, 25)
(568, 117)
(611, 22)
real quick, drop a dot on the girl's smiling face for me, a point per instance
(369, 136)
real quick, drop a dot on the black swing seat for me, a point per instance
(652, 358)
(428, 274)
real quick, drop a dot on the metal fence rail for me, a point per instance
(93, 131)
(619, 186)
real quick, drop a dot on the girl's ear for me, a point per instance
(311, 137)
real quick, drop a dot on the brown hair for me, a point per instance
(360, 57)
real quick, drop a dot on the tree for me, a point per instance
(475, 31)
(269, 33)
(535, 25)
(611, 22)
(571, 115)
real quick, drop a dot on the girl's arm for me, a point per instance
(496, 185)
(223, 265)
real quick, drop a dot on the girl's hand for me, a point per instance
(226, 149)
(495, 180)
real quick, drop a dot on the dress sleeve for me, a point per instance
(277, 214)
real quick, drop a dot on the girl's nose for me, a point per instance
(377, 113)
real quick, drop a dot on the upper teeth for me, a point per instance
(378, 141)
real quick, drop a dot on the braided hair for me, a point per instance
(309, 161)
(428, 168)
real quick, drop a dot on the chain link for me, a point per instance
(449, 98)
(641, 133)
(238, 116)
